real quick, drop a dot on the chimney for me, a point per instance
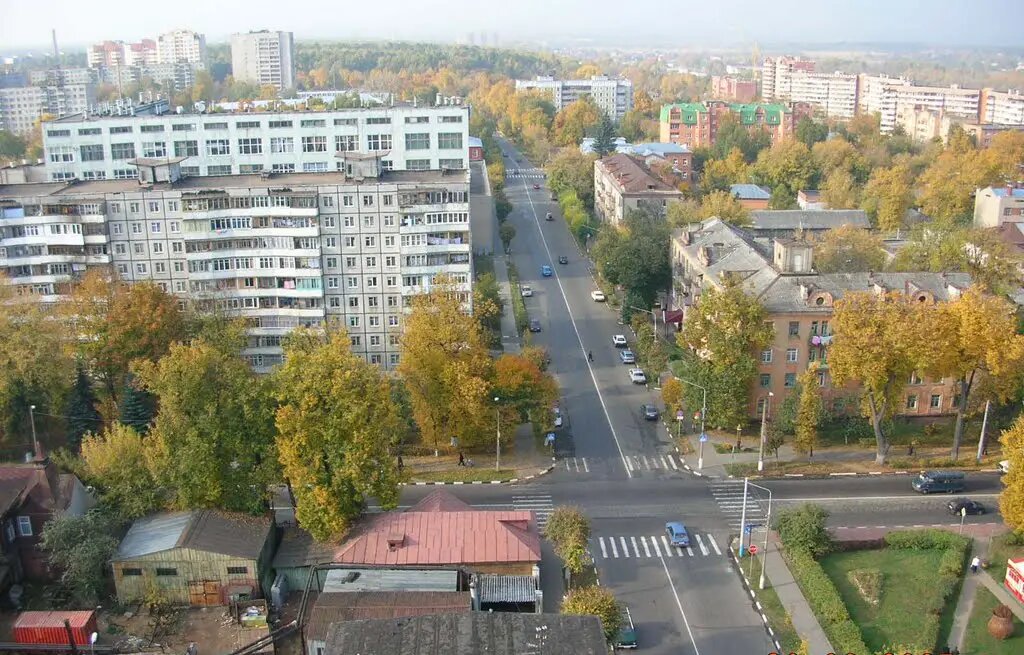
(474, 593)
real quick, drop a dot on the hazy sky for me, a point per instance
(25, 23)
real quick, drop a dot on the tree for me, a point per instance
(981, 253)
(887, 196)
(604, 137)
(849, 249)
(586, 71)
(808, 414)
(446, 368)
(720, 174)
(212, 443)
(1011, 500)
(948, 184)
(672, 395)
(803, 528)
(782, 198)
(785, 167)
(839, 154)
(575, 121)
(809, 132)
(642, 102)
(82, 416)
(571, 170)
(721, 204)
(80, 548)
(723, 334)
(136, 409)
(115, 463)
(638, 258)
(840, 191)
(873, 344)
(974, 340)
(569, 532)
(596, 601)
(203, 87)
(683, 212)
(337, 431)
(524, 389)
(11, 146)
(733, 134)
(507, 232)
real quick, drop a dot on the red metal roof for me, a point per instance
(78, 619)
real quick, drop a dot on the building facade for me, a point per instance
(994, 206)
(732, 89)
(119, 53)
(623, 183)
(404, 137)
(777, 75)
(695, 124)
(887, 95)
(833, 94)
(264, 58)
(181, 47)
(613, 96)
(1002, 107)
(21, 107)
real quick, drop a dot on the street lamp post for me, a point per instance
(652, 313)
(497, 441)
(703, 418)
(32, 420)
(764, 433)
(767, 525)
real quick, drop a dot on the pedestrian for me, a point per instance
(590, 355)
(462, 459)
(401, 464)
(975, 563)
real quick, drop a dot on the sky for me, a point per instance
(27, 24)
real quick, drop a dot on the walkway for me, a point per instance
(509, 334)
(804, 621)
(965, 603)
(1000, 592)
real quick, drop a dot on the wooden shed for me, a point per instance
(201, 557)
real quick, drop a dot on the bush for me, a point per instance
(952, 562)
(803, 528)
(598, 601)
(826, 602)
(925, 540)
(568, 531)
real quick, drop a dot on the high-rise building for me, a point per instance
(1002, 107)
(264, 58)
(886, 95)
(613, 96)
(695, 124)
(404, 137)
(181, 46)
(21, 107)
(733, 89)
(777, 74)
(834, 94)
(119, 53)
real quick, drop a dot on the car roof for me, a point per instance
(676, 526)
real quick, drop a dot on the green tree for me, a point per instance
(569, 532)
(507, 232)
(732, 134)
(786, 168)
(604, 137)
(720, 204)
(720, 174)
(82, 416)
(80, 547)
(840, 190)
(888, 195)
(782, 198)
(637, 258)
(1011, 500)
(809, 132)
(115, 463)
(982, 253)
(136, 408)
(11, 146)
(571, 170)
(803, 528)
(849, 249)
(683, 212)
(808, 413)
(597, 601)
(337, 431)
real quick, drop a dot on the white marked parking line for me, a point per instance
(615, 551)
(703, 549)
(654, 545)
(636, 551)
(625, 548)
(714, 545)
(643, 542)
(668, 549)
(604, 551)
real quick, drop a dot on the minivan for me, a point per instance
(938, 482)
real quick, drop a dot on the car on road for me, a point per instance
(558, 417)
(536, 187)
(562, 259)
(649, 411)
(546, 271)
(627, 633)
(1004, 467)
(938, 482)
(597, 295)
(636, 376)
(677, 534)
(619, 341)
(526, 290)
(627, 356)
(972, 506)
(554, 196)
(534, 325)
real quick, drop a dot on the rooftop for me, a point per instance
(350, 580)
(1013, 192)
(787, 293)
(190, 113)
(749, 192)
(808, 219)
(720, 249)
(633, 176)
(211, 531)
(493, 633)
(331, 608)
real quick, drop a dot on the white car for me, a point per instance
(527, 291)
(597, 295)
(558, 417)
(619, 341)
(636, 376)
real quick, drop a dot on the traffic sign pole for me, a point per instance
(743, 519)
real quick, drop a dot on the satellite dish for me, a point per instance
(200, 106)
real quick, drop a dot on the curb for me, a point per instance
(851, 474)
(753, 596)
(682, 459)
(539, 473)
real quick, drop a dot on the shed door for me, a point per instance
(204, 593)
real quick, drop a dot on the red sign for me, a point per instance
(753, 549)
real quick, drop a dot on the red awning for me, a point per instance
(674, 316)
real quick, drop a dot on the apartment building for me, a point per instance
(63, 76)
(613, 96)
(264, 58)
(733, 89)
(777, 75)
(833, 94)
(280, 251)
(119, 53)
(1002, 107)
(21, 107)
(695, 124)
(404, 137)
(887, 95)
(181, 47)
(994, 206)
(799, 304)
(623, 183)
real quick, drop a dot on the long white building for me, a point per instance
(279, 250)
(181, 47)
(264, 58)
(886, 95)
(834, 94)
(1002, 107)
(404, 137)
(613, 96)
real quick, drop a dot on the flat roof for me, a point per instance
(350, 580)
(185, 113)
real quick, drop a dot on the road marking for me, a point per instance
(615, 551)
(664, 464)
(668, 549)
(673, 463)
(629, 465)
(636, 551)
(604, 552)
(625, 548)
(579, 338)
(654, 545)
(576, 464)
(566, 464)
(585, 467)
(848, 498)
(714, 545)
(703, 549)
(689, 551)
(643, 542)
(679, 604)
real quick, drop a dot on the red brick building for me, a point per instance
(724, 87)
(695, 124)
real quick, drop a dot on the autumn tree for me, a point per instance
(810, 132)
(212, 443)
(849, 249)
(948, 185)
(568, 530)
(838, 154)
(683, 212)
(840, 190)
(114, 462)
(981, 253)
(787, 166)
(1011, 500)
(720, 174)
(337, 431)
(81, 414)
(575, 121)
(446, 367)
(721, 204)
(723, 334)
(523, 388)
(597, 601)
(808, 413)
(973, 339)
(672, 395)
(571, 170)
(887, 196)
(873, 345)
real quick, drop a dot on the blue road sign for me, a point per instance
(703, 437)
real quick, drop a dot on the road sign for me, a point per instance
(680, 416)
(703, 436)
(748, 528)
(963, 511)
(752, 548)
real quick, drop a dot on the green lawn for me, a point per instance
(999, 552)
(977, 641)
(778, 618)
(908, 582)
(461, 474)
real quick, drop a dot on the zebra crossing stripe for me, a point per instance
(714, 545)
(615, 551)
(654, 545)
(625, 548)
(689, 551)
(636, 551)
(604, 552)
(673, 463)
(700, 543)
(664, 464)
(643, 542)
(585, 467)
(668, 549)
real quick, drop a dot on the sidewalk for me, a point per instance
(509, 335)
(1000, 592)
(965, 603)
(804, 621)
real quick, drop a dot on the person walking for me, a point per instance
(462, 459)
(590, 355)
(975, 563)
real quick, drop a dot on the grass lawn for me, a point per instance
(977, 640)
(461, 474)
(998, 553)
(778, 618)
(908, 577)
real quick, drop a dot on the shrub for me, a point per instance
(568, 530)
(826, 602)
(598, 601)
(952, 562)
(924, 540)
(803, 528)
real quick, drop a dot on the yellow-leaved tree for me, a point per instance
(115, 462)
(808, 413)
(1011, 501)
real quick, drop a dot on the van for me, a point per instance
(1004, 466)
(938, 482)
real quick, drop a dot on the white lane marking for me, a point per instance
(636, 551)
(679, 604)
(714, 545)
(625, 548)
(585, 466)
(604, 551)
(654, 545)
(672, 461)
(703, 549)
(629, 464)
(643, 542)
(576, 464)
(566, 464)
(664, 464)
(615, 551)
(689, 551)
(668, 549)
(579, 338)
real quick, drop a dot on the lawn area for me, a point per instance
(908, 583)
(461, 474)
(999, 552)
(518, 304)
(778, 618)
(977, 640)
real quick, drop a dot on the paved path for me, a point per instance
(1000, 592)
(804, 621)
(965, 603)
(509, 334)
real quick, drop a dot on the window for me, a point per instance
(117, 228)
(790, 379)
(154, 149)
(794, 328)
(378, 120)
(760, 406)
(279, 124)
(119, 249)
(348, 200)
(350, 242)
(353, 321)
(237, 570)
(390, 260)
(124, 129)
(186, 148)
(250, 146)
(283, 168)
(912, 401)
(166, 573)
(151, 128)
(314, 144)
(449, 140)
(184, 127)
(122, 151)
(90, 131)
(791, 355)
(417, 119)
(766, 380)
(314, 167)
(346, 143)
(215, 126)
(24, 526)
(219, 170)
(915, 378)
(936, 401)
(417, 141)
(345, 121)
(58, 132)
(281, 144)
(350, 262)
(766, 356)
(244, 125)
(141, 269)
(370, 241)
(136, 228)
(92, 152)
(218, 147)
(154, 227)
(313, 122)
(374, 338)
(131, 572)
(158, 249)
(62, 154)
(417, 164)
(451, 119)
(451, 164)
(376, 142)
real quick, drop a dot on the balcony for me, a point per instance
(819, 340)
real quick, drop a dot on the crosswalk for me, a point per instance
(729, 497)
(576, 465)
(652, 462)
(526, 173)
(636, 463)
(644, 546)
(539, 504)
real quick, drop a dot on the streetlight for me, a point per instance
(703, 417)
(652, 313)
(764, 432)
(767, 524)
(32, 420)
(497, 442)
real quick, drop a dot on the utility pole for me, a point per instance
(764, 431)
(32, 420)
(981, 439)
(743, 518)
(703, 418)
(497, 441)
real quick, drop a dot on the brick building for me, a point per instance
(725, 87)
(695, 124)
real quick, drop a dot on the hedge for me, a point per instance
(925, 540)
(826, 602)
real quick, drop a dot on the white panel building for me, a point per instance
(1002, 107)
(181, 46)
(835, 94)
(885, 95)
(613, 96)
(21, 107)
(264, 58)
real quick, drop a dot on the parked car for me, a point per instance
(627, 633)
(972, 506)
(527, 291)
(554, 196)
(619, 341)
(536, 187)
(562, 259)
(649, 411)
(677, 534)
(558, 417)
(636, 376)
(546, 271)
(597, 295)
(1004, 466)
(534, 325)
(627, 356)
(549, 217)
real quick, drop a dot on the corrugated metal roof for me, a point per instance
(333, 608)
(507, 588)
(152, 534)
(749, 192)
(212, 531)
(390, 580)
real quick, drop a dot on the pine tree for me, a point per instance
(604, 138)
(81, 409)
(136, 407)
